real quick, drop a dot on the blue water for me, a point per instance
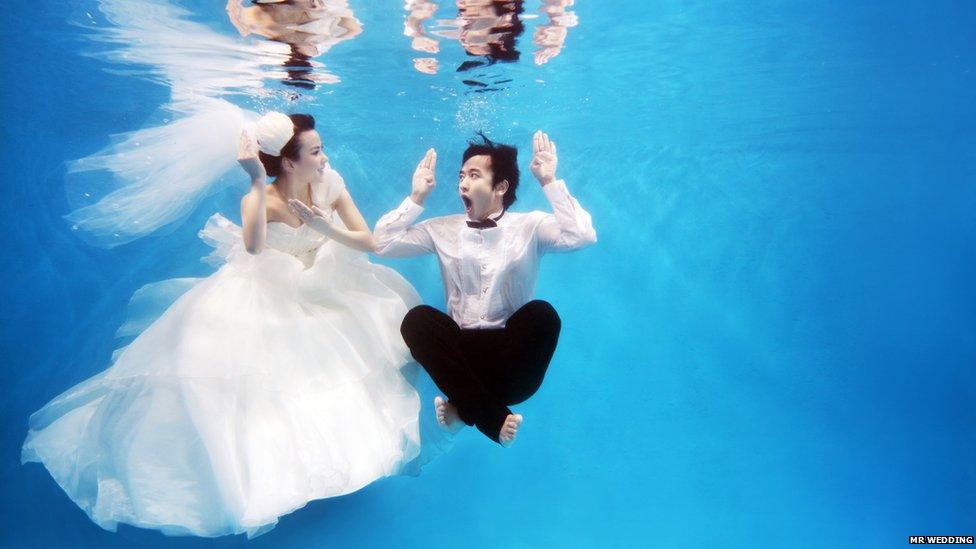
(772, 344)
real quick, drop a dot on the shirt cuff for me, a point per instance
(555, 191)
(409, 210)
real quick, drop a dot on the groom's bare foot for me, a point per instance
(447, 415)
(509, 429)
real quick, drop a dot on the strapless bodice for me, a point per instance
(300, 242)
(303, 241)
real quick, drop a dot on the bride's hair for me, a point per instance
(272, 164)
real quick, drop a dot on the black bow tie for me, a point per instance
(486, 223)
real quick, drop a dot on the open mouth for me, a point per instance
(467, 203)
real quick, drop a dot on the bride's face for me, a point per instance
(311, 161)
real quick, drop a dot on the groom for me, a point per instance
(494, 348)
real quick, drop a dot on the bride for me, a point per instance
(277, 380)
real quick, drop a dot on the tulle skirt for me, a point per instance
(262, 387)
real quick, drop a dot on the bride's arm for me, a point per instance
(254, 212)
(356, 235)
(254, 217)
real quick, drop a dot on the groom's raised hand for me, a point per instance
(544, 158)
(423, 178)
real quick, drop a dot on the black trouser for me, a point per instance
(482, 371)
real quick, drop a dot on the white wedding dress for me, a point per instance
(280, 379)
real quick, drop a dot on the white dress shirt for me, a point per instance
(488, 273)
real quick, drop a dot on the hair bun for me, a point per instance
(272, 131)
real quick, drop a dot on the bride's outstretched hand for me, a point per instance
(314, 217)
(247, 157)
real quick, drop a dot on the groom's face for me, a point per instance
(474, 186)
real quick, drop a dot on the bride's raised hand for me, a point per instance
(247, 157)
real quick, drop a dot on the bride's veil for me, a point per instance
(155, 176)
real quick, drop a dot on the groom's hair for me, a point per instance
(504, 164)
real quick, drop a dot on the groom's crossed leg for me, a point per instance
(483, 370)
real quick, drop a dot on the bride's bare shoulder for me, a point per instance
(274, 205)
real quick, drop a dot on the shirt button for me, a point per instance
(484, 290)
(482, 317)
(484, 266)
